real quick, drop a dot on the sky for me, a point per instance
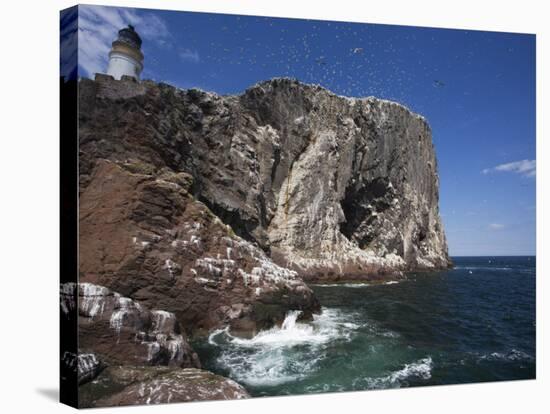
(475, 88)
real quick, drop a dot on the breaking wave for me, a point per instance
(418, 370)
(513, 355)
(483, 268)
(348, 285)
(282, 354)
(356, 285)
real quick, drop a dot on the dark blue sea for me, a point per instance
(473, 323)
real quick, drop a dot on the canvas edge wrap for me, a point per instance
(68, 175)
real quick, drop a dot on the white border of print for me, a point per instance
(30, 206)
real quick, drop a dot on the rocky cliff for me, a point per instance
(218, 207)
(116, 330)
(129, 354)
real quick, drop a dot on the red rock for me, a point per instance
(150, 240)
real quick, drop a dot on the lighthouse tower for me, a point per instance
(125, 57)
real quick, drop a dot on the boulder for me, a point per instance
(116, 330)
(126, 385)
(87, 366)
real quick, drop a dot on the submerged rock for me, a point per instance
(118, 386)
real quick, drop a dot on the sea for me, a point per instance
(473, 323)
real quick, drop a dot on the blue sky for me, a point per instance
(476, 89)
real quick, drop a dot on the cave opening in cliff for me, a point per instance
(361, 205)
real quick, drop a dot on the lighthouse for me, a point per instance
(125, 57)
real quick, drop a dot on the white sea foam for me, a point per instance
(356, 285)
(513, 355)
(421, 369)
(270, 357)
(327, 326)
(484, 268)
(348, 285)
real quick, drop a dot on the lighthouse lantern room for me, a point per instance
(125, 57)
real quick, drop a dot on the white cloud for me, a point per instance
(187, 55)
(98, 27)
(496, 226)
(527, 168)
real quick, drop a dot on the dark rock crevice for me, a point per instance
(361, 206)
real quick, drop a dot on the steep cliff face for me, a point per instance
(326, 186)
(142, 234)
(353, 185)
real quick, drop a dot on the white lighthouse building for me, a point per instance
(125, 57)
